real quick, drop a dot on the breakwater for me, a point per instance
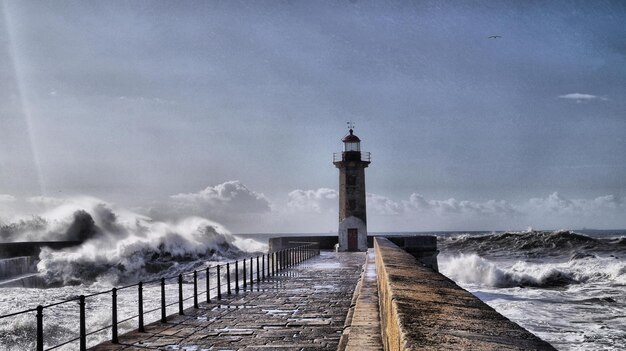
(327, 302)
(424, 310)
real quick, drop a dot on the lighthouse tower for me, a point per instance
(352, 212)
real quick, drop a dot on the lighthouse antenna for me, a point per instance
(350, 124)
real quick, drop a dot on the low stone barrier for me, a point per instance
(424, 310)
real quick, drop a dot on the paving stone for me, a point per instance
(301, 308)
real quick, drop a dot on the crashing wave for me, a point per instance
(121, 246)
(473, 269)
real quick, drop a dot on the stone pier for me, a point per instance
(385, 299)
(302, 308)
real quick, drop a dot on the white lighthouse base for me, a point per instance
(349, 225)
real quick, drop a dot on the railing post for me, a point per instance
(39, 328)
(228, 277)
(114, 316)
(269, 264)
(258, 273)
(208, 286)
(219, 284)
(163, 314)
(263, 266)
(140, 306)
(244, 274)
(195, 289)
(251, 274)
(180, 294)
(81, 325)
(237, 277)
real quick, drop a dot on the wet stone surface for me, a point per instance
(301, 308)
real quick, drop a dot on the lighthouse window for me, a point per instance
(352, 146)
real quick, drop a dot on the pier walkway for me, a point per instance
(301, 308)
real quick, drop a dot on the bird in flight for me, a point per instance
(495, 37)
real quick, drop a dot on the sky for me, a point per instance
(231, 110)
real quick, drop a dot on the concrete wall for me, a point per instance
(424, 310)
(422, 247)
(32, 248)
(284, 242)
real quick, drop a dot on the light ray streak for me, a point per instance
(21, 93)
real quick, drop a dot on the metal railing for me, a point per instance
(340, 156)
(266, 265)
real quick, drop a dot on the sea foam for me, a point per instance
(119, 245)
(474, 269)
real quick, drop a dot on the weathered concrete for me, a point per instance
(364, 333)
(303, 308)
(423, 310)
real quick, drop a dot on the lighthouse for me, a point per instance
(352, 211)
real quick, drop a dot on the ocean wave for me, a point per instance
(119, 246)
(532, 244)
(474, 269)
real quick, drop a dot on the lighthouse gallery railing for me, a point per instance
(339, 156)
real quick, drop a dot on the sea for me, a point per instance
(568, 286)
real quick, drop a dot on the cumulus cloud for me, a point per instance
(315, 201)
(418, 203)
(382, 205)
(315, 210)
(228, 196)
(7, 198)
(557, 204)
(578, 97)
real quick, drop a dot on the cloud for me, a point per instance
(46, 200)
(7, 198)
(556, 204)
(232, 196)
(578, 97)
(314, 201)
(146, 100)
(417, 203)
(382, 205)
